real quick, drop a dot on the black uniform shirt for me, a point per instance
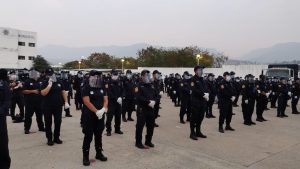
(54, 97)
(96, 95)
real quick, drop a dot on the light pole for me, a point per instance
(198, 57)
(122, 60)
(59, 66)
(79, 63)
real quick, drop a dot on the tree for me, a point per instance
(40, 63)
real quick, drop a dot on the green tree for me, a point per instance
(40, 63)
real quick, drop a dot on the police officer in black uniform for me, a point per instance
(248, 99)
(185, 94)
(159, 91)
(212, 87)
(199, 98)
(55, 97)
(77, 86)
(226, 96)
(4, 108)
(262, 98)
(17, 98)
(68, 88)
(33, 99)
(95, 99)
(295, 95)
(115, 103)
(284, 95)
(128, 97)
(146, 100)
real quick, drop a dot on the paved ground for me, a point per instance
(273, 144)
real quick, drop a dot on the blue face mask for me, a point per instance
(147, 79)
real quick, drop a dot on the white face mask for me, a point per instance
(227, 78)
(186, 77)
(210, 78)
(53, 78)
(13, 77)
(128, 76)
(114, 77)
(237, 80)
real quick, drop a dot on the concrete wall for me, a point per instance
(240, 70)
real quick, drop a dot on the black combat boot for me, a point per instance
(100, 156)
(221, 130)
(86, 160)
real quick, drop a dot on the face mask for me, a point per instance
(95, 81)
(13, 77)
(64, 76)
(147, 79)
(80, 75)
(237, 80)
(199, 73)
(284, 82)
(251, 80)
(114, 77)
(290, 83)
(128, 76)
(33, 74)
(186, 77)
(227, 78)
(53, 78)
(210, 78)
(232, 76)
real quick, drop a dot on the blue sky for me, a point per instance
(232, 26)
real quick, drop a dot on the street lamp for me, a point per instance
(122, 60)
(79, 63)
(198, 57)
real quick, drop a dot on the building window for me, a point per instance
(21, 57)
(31, 44)
(31, 57)
(21, 43)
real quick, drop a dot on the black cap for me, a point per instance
(232, 73)
(186, 73)
(128, 71)
(95, 72)
(155, 72)
(210, 74)
(144, 72)
(114, 72)
(226, 74)
(49, 71)
(198, 67)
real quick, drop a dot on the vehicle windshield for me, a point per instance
(278, 73)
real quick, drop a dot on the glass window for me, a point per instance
(21, 43)
(21, 57)
(31, 57)
(31, 44)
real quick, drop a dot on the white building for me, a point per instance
(17, 48)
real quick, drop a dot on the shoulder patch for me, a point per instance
(243, 86)
(181, 84)
(106, 86)
(192, 83)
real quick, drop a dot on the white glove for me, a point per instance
(289, 93)
(191, 92)
(258, 91)
(119, 100)
(170, 87)
(50, 83)
(206, 96)
(161, 93)
(67, 106)
(151, 104)
(296, 97)
(267, 94)
(100, 113)
(273, 93)
(232, 98)
(174, 92)
(246, 101)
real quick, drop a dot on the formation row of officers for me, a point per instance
(104, 97)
